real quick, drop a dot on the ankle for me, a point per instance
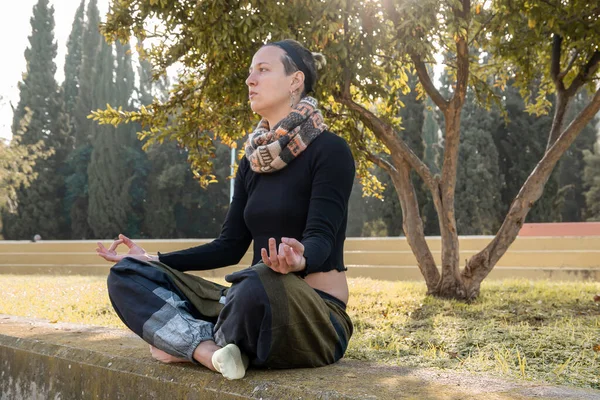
(204, 352)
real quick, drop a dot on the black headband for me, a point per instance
(297, 59)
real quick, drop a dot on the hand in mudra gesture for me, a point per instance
(135, 251)
(289, 258)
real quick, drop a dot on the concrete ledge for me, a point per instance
(41, 360)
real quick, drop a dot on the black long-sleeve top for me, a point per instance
(306, 200)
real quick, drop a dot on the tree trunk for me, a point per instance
(450, 285)
(412, 224)
(562, 102)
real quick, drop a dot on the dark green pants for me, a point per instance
(277, 320)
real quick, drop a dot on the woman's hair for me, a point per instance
(312, 62)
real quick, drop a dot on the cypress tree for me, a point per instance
(77, 203)
(521, 142)
(175, 206)
(167, 169)
(479, 182)
(88, 75)
(107, 212)
(166, 182)
(39, 205)
(118, 169)
(73, 59)
(571, 198)
(591, 179)
(431, 157)
(136, 161)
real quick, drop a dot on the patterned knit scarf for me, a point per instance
(270, 150)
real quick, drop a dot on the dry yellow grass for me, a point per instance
(541, 330)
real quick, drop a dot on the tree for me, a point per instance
(175, 206)
(383, 216)
(371, 48)
(108, 201)
(77, 200)
(478, 180)
(570, 171)
(521, 140)
(591, 178)
(431, 158)
(39, 205)
(73, 59)
(17, 163)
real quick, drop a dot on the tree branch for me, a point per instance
(412, 224)
(386, 134)
(428, 85)
(380, 162)
(555, 62)
(377, 160)
(569, 66)
(462, 72)
(484, 25)
(563, 96)
(585, 75)
(560, 110)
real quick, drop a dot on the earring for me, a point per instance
(292, 99)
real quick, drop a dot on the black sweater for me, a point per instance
(307, 200)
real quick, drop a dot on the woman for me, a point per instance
(290, 198)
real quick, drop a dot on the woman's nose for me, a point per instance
(250, 80)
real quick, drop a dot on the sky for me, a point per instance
(15, 29)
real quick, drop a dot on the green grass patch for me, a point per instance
(541, 330)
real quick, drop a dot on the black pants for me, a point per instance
(277, 320)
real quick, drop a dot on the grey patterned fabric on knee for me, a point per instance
(173, 329)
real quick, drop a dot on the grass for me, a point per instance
(548, 331)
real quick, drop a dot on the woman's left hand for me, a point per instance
(289, 258)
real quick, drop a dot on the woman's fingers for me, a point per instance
(114, 245)
(108, 256)
(288, 252)
(294, 244)
(128, 242)
(273, 252)
(285, 258)
(102, 250)
(283, 266)
(265, 256)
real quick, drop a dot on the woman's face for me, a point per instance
(268, 86)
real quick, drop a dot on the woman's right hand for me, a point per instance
(135, 251)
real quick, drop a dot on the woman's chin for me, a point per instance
(255, 106)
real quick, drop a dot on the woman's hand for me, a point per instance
(135, 251)
(289, 258)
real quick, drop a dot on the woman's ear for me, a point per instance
(298, 81)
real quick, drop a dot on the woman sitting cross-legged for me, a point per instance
(291, 199)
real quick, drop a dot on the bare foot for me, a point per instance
(161, 356)
(230, 362)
